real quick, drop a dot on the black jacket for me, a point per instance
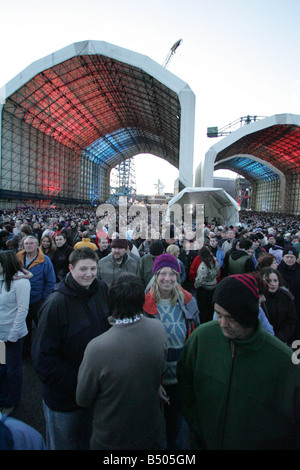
(291, 276)
(187, 258)
(69, 319)
(102, 254)
(60, 261)
(281, 313)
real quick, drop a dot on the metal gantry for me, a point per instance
(123, 182)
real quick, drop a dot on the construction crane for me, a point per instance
(226, 130)
(171, 52)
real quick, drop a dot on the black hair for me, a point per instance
(4, 233)
(245, 243)
(11, 264)
(61, 234)
(82, 253)
(126, 296)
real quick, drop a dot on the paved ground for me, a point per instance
(30, 409)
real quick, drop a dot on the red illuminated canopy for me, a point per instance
(278, 145)
(87, 97)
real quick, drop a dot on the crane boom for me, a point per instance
(171, 52)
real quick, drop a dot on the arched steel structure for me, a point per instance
(72, 116)
(266, 153)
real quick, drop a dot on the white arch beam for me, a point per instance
(205, 170)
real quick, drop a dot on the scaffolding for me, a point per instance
(35, 166)
(123, 182)
(269, 157)
(242, 193)
(78, 115)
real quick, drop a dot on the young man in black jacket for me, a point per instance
(60, 259)
(75, 313)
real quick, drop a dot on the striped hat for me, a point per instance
(239, 296)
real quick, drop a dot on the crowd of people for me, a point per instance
(151, 340)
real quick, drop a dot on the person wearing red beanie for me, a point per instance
(239, 386)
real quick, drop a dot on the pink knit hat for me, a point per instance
(165, 261)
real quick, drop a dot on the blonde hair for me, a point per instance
(173, 250)
(174, 294)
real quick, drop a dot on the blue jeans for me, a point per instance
(11, 375)
(68, 430)
(177, 430)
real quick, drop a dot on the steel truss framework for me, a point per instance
(265, 190)
(266, 153)
(68, 125)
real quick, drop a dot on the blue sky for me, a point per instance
(239, 57)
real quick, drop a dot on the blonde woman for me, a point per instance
(175, 250)
(177, 309)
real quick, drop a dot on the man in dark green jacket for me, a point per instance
(239, 386)
(239, 261)
(146, 263)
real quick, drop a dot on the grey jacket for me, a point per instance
(108, 270)
(120, 376)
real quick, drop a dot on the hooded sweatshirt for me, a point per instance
(240, 262)
(69, 319)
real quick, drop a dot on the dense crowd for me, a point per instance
(79, 291)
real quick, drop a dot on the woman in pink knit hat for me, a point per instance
(177, 309)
